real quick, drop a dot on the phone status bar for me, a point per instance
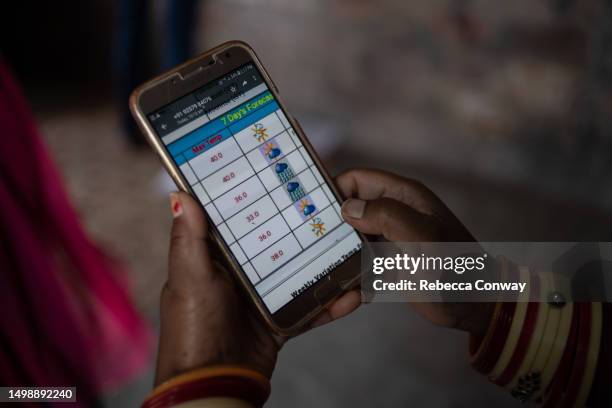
(205, 99)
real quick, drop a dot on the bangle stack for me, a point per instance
(235, 382)
(543, 352)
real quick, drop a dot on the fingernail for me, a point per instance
(175, 205)
(353, 208)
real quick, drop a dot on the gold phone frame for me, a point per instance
(193, 74)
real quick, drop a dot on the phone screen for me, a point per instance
(259, 185)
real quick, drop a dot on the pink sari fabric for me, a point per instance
(65, 316)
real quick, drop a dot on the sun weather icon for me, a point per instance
(318, 226)
(259, 132)
(295, 190)
(284, 172)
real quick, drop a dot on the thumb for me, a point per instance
(394, 220)
(189, 257)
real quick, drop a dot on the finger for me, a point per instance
(189, 256)
(392, 219)
(188, 217)
(369, 184)
(321, 319)
(343, 306)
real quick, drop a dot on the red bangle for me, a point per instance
(224, 386)
(524, 338)
(487, 359)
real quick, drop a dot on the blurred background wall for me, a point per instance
(501, 108)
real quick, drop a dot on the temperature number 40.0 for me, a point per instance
(216, 157)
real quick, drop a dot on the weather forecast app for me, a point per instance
(258, 184)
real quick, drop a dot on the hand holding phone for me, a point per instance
(223, 134)
(204, 320)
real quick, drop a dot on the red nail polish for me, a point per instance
(175, 205)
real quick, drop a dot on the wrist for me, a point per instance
(541, 351)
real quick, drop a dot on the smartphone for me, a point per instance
(224, 135)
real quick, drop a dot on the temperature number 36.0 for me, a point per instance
(240, 197)
(265, 236)
(276, 256)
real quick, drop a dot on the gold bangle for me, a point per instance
(215, 402)
(210, 372)
(593, 354)
(547, 341)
